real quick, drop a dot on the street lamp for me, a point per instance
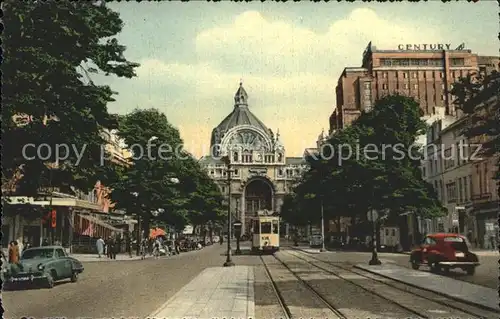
(323, 249)
(373, 216)
(228, 262)
(139, 238)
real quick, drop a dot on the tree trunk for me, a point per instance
(145, 225)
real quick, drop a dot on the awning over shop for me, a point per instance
(93, 227)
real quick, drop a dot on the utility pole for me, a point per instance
(229, 262)
(323, 249)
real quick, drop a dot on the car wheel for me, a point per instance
(414, 264)
(434, 267)
(74, 277)
(49, 283)
(470, 270)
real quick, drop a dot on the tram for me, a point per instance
(265, 232)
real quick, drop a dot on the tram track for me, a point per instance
(283, 303)
(429, 297)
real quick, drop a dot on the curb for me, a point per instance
(496, 310)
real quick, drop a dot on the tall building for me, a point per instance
(423, 71)
(262, 174)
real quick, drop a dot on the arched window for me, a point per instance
(235, 156)
(280, 157)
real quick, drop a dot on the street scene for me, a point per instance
(205, 160)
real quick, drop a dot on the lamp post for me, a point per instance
(373, 216)
(229, 262)
(323, 249)
(138, 231)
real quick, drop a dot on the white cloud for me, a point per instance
(290, 72)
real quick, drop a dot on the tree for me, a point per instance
(159, 158)
(154, 143)
(48, 94)
(351, 180)
(477, 96)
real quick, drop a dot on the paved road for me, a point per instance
(113, 289)
(486, 274)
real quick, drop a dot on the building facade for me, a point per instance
(424, 72)
(464, 181)
(261, 173)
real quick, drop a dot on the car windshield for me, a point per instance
(37, 253)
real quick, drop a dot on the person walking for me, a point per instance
(13, 252)
(100, 246)
(128, 245)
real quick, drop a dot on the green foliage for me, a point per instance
(477, 96)
(195, 199)
(367, 165)
(52, 47)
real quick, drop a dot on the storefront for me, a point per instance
(60, 220)
(487, 224)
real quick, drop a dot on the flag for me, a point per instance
(89, 231)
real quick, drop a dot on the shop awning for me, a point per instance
(93, 227)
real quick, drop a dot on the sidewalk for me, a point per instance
(455, 289)
(479, 252)
(218, 292)
(95, 258)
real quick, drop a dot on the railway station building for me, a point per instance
(261, 172)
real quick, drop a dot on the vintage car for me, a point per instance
(443, 251)
(43, 265)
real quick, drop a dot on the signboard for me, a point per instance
(372, 215)
(426, 47)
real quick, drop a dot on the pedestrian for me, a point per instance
(128, 246)
(100, 246)
(20, 244)
(13, 252)
(45, 242)
(109, 248)
(221, 239)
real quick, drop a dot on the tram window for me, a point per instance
(275, 227)
(256, 229)
(265, 228)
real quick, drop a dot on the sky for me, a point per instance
(288, 55)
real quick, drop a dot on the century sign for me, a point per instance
(425, 46)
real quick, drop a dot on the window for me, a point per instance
(223, 189)
(471, 188)
(414, 74)
(405, 75)
(265, 228)
(212, 172)
(235, 156)
(280, 157)
(280, 172)
(367, 85)
(460, 191)
(384, 75)
(60, 253)
(466, 191)
(451, 192)
(415, 86)
(236, 172)
(457, 62)
(406, 86)
(442, 86)
(443, 97)
(440, 75)
(276, 227)
(384, 86)
(387, 232)
(429, 241)
(485, 178)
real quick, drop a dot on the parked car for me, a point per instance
(316, 241)
(444, 251)
(44, 265)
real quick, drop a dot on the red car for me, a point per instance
(443, 251)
